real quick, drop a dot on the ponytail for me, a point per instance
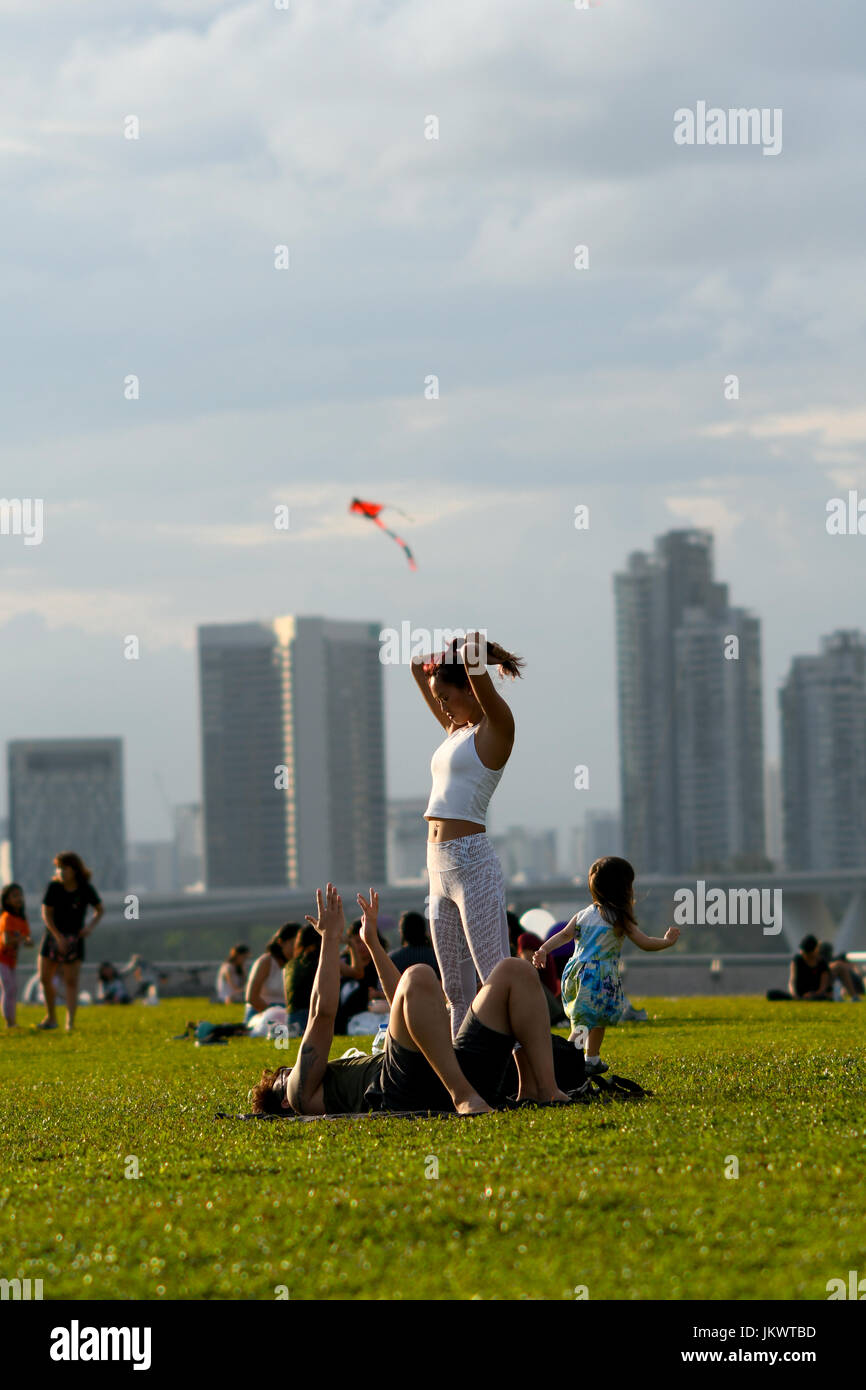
(450, 666)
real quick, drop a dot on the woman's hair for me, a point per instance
(106, 965)
(309, 937)
(288, 931)
(449, 667)
(611, 883)
(6, 895)
(263, 1098)
(355, 930)
(69, 860)
(413, 929)
(237, 952)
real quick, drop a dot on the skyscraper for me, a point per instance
(690, 719)
(407, 840)
(67, 794)
(292, 752)
(188, 845)
(823, 718)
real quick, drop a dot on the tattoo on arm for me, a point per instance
(306, 1061)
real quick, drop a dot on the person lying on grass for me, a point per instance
(420, 1068)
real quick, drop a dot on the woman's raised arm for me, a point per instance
(430, 700)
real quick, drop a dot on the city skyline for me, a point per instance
(582, 804)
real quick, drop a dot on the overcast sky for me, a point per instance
(409, 257)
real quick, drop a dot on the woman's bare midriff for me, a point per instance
(438, 831)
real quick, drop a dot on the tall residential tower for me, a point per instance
(690, 717)
(823, 713)
(293, 753)
(67, 794)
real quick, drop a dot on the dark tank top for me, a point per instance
(345, 1082)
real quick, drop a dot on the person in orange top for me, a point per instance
(14, 929)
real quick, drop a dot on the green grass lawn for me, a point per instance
(630, 1200)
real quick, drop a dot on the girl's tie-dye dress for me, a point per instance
(591, 987)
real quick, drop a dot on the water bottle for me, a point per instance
(381, 1035)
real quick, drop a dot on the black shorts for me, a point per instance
(49, 949)
(408, 1082)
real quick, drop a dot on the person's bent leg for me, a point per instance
(47, 968)
(840, 970)
(527, 1087)
(512, 1001)
(419, 1021)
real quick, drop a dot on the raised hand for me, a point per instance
(671, 935)
(369, 918)
(331, 920)
(539, 958)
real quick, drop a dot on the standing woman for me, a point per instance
(468, 923)
(64, 909)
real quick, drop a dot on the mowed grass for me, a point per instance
(629, 1200)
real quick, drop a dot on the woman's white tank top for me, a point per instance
(274, 990)
(462, 785)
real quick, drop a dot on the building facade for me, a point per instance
(293, 752)
(690, 714)
(67, 794)
(823, 728)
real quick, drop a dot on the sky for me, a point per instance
(305, 127)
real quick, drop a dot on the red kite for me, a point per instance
(371, 511)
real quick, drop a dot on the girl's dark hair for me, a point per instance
(449, 667)
(413, 929)
(4, 900)
(611, 883)
(309, 937)
(236, 952)
(106, 965)
(69, 860)
(288, 931)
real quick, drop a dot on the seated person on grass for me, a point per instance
(809, 977)
(420, 1068)
(843, 970)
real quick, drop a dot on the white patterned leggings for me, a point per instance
(468, 925)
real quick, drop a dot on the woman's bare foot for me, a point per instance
(473, 1105)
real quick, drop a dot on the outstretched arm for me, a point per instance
(562, 937)
(653, 943)
(429, 698)
(389, 975)
(309, 1070)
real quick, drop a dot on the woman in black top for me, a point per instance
(64, 909)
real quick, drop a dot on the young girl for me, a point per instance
(591, 987)
(14, 929)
